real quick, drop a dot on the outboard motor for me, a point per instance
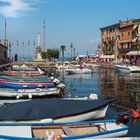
(123, 118)
(40, 71)
(93, 96)
(56, 81)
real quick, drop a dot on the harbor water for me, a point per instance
(108, 83)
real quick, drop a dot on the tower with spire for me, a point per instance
(37, 55)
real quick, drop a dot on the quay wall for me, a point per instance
(106, 65)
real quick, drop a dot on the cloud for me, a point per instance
(16, 8)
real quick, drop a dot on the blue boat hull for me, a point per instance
(29, 86)
(37, 79)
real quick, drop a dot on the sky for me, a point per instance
(66, 21)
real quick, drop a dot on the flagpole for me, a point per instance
(17, 49)
(44, 37)
(28, 49)
(5, 42)
(23, 50)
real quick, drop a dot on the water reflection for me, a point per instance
(123, 86)
(82, 84)
(110, 83)
(107, 83)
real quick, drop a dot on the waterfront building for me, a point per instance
(120, 42)
(129, 44)
(90, 58)
(3, 53)
(109, 42)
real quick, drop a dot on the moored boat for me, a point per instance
(24, 73)
(63, 130)
(78, 71)
(11, 78)
(30, 93)
(128, 68)
(31, 85)
(58, 110)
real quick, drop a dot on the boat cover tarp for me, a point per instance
(48, 108)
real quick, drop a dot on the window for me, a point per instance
(129, 33)
(122, 34)
(118, 37)
(112, 37)
(122, 46)
(128, 45)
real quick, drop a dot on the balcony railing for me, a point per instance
(108, 51)
(127, 49)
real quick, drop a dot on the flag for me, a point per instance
(5, 23)
(44, 23)
(17, 43)
(28, 42)
(33, 42)
(9, 44)
(23, 44)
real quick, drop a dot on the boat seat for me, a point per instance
(67, 131)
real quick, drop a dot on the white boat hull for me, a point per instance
(78, 71)
(102, 129)
(95, 114)
(127, 68)
(21, 93)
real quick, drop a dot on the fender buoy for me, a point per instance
(134, 113)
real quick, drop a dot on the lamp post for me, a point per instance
(10, 51)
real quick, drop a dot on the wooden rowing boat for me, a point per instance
(26, 84)
(30, 93)
(63, 130)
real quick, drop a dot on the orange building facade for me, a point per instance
(109, 42)
(120, 41)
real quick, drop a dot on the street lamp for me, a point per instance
(10, 51)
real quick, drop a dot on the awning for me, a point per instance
(125, 41)
(134, 27)
(133, 53)
(107, 56)
(135, 39)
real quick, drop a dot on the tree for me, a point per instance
(71, 47)
(52, 54)
(62, 49)
(43, 55)
(74, 52)
(16, 57)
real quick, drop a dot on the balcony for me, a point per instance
(108, 51)
(125, 50)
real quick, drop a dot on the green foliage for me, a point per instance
(52, 54)
(43, 55)
(62, 49)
